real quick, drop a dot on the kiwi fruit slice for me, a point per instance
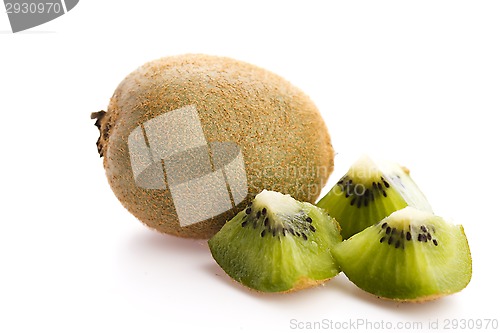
(411, 255)
(277, 244)
(188, 141)
(369, 192)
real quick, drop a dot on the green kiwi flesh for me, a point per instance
(411, 255)
(277, 244)
(369, 192)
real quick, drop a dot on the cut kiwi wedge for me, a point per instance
(369, 192)
(411, 255)
(278, 244)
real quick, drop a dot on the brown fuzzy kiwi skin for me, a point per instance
(418, 300)
(306, 283)
(277, 127)
(301, 284)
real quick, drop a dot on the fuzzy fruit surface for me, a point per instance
(279, 138)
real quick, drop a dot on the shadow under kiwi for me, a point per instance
(153, 241)
(428, 308)
(283, 299)
(214, 271)
(154, 252)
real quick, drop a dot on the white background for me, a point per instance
(416, 82)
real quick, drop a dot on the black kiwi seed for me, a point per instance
(408, 235)
(309, 219)
(393, 231)
(244, 223)
(429, 237)
(384, 194)
(388, 230)
(384, 225)
(420, 237)
(312, 228)
(379, 186)
(304, 236)
(283, 232)
(353, 201)
(397, 244)
(435, 242)
(274, 232)
(423, 228)
(263, 233)
(266, 222)
(382, 239)
(386, 184)
(264, 211)
(389, 241)
(258, 214)
(248, 210)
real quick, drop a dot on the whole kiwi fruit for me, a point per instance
(189, 140)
